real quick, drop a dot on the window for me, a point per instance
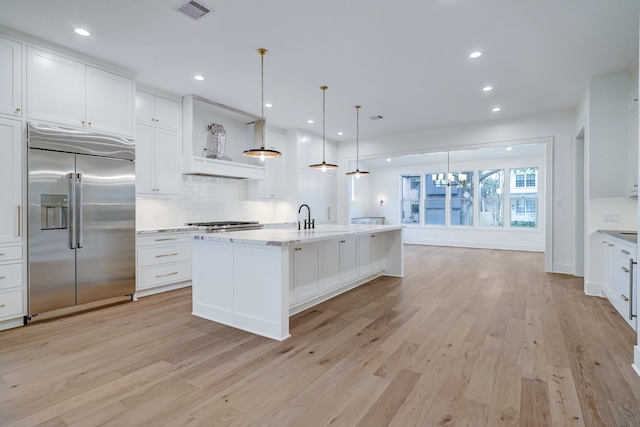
(435, 198)
(410, 199)
(461, 198)
(524, 198)
(520, 180)
(491, 198)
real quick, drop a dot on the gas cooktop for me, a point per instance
(220, 226)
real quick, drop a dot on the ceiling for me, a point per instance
(405, 60)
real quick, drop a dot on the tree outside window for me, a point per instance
(410, 199)
(491, 209)
(461, 187)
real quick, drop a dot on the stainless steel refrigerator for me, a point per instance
(81, 217)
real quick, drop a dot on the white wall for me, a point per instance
(559, 125)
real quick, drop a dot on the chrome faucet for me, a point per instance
(310, 223)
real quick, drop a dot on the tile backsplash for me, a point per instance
(207, 198)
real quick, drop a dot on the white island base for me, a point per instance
(254, 280)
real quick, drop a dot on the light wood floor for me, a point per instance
(468, 337)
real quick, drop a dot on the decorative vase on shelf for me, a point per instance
(216, 141)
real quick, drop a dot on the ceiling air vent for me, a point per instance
(194, 10)
(375, 117)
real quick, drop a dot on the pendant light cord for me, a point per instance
(262, 53)
(324, 91)
(357, 137)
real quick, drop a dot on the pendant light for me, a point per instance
(357, 173)
(324, 166)
(261, 153)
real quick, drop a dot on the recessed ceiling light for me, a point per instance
(340, 133)
(487, 88)
(474, 55)
(310, 121)
(508, 148)
(268, 105)
(82, 32)
(388, 160)
(496, 109)
(198, 77)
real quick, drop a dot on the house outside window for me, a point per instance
(523, 193)
(435, 198)
(461, 188)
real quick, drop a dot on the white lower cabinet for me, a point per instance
(620, 278)
(323, 269)
(163, 262)
(305, 272)
(371, 253)
(12, 287)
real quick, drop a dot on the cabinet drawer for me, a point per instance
(163, 275)
(164, 254)
(163, 238)
(10, 253)
(10, 304)
(10, 276)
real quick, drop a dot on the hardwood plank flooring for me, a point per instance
(468, 337)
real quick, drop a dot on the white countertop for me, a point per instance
(288, 236)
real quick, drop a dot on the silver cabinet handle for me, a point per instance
(610, 244)
(2, 277)
(19, 221)
(624, 252)
(631, 264)
(624, 297)
(2, 254)
(163, 255)
(71, 209)
(2, 305)
(625, 269)
(165, 239)
(168, 274)
(79, 224)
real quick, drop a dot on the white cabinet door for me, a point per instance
(109, 102)
(306, 270)
(348, 259)
(157, 111)
(10, 77)
(167, 151)
(331, 264)
(55, 88)
(11, 215)
(378, 251)
(633, 152)
(364, 255)
(157, 161)
(145, 160)
(274, 184)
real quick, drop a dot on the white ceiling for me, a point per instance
(406, 60)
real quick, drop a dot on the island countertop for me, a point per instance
(288, 236)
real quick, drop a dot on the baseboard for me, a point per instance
(474, 245)
(563, 268)
(593, 289)
(11, 323)
(159, 289)
(636, 360)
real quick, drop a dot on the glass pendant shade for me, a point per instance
(324, 166)
(357, 173)
(261, 153)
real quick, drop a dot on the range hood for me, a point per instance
(222, 168)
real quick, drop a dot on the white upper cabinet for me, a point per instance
(157, 111)
(11, 215)
(633, 131)
(157, 161)
(68, 92)
(10, 78)
(274, 184)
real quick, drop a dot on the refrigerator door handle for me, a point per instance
(79, 222)
(71, 203)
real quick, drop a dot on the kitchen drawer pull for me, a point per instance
(342, 241)
(166, 238)
(625, 269)
(168, 274)
(2, 305)
(163, 255)
(631, 264)
(373, 235)
(610, 244)
(624, 252)
(624, 297)
(2, 254)
(2, 277)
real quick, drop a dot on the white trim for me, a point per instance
(475, 245)
(548, 205)
(593, 289)
(563, 268)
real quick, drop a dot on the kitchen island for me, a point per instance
(255, 279)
